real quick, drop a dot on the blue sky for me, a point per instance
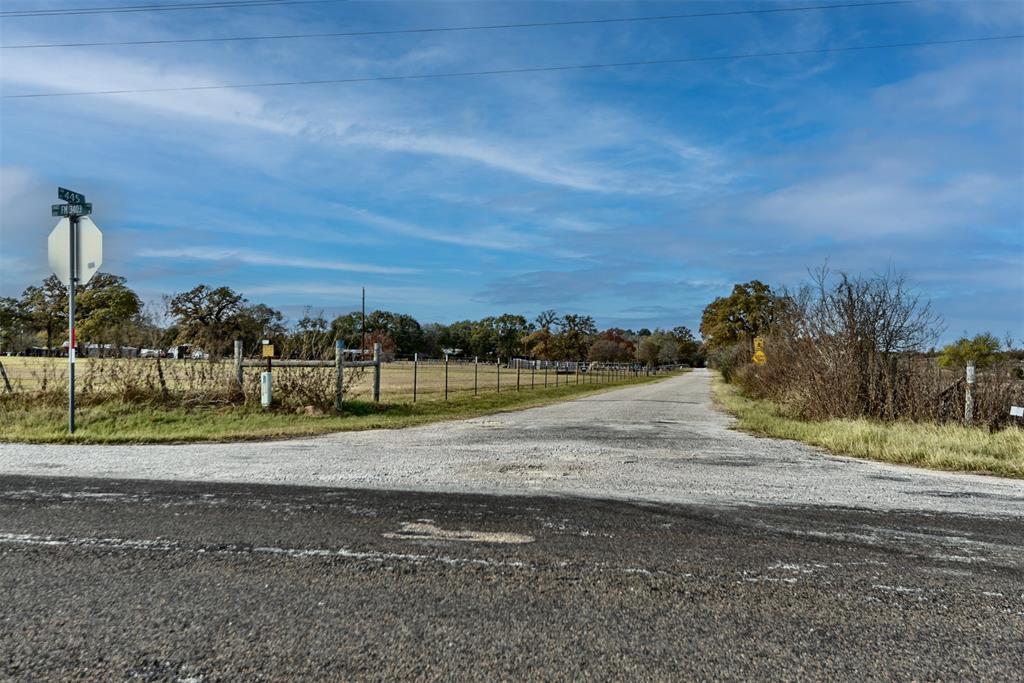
(636, 195)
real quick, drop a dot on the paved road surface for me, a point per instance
(114, 580)
(661, 442)
(665, 547)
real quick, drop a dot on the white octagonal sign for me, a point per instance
(90, 250)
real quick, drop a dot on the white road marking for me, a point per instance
(422, 531)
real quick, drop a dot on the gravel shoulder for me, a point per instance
(661, 442)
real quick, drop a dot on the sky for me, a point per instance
(635, 195)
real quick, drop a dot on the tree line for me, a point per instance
(212, 318)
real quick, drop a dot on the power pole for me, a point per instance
(362, 327)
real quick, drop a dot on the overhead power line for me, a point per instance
(523, 70)
(168, 7)
(485, 27)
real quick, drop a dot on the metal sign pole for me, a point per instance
(72, 281)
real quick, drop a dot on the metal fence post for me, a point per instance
(376, 372)
(969, 397)
(446, 376)
(519, 372)
(476, 375)
(415, 371)
(339, 379)
(499, 374)
(533, 374)
(238, 364)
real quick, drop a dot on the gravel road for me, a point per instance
(659, 442)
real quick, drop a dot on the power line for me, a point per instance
(487, 27)
(122, 9)
(534, 69)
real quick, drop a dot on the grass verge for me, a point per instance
(121, 423)
(942, 447)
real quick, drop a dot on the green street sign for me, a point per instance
(70, 196)
(71, 209)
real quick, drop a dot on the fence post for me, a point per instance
(545, 374)
(969, 397)
(533, 374)
(476, 375)
(577, 372)
(499, 374)
(376, 372)
(6, 382)
(415, 371)
(446, 376)
(339, 370)
(519, 372)
(238, 364)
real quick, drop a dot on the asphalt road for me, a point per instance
(629, 535)
(154, 581)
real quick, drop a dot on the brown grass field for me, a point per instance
(29, 374)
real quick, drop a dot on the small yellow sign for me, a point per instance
(268, 350)
(759, 355)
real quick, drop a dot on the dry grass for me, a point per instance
(108, 375)
(118, 421)
(937, 446)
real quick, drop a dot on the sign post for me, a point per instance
(75, 253)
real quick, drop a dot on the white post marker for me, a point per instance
(75, 253)
(1016, 411)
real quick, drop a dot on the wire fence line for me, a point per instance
(304, 383)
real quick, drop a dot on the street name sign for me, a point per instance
(70, 196)
(90, 250)
(83, 209)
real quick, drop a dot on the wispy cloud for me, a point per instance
(256, 258)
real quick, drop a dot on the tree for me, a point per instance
(746, 313)
(540, 344)
(545, 320)
(47, 307)
(510, 331)
(605, 350)
(257, 322)
(312, 335)
(983, 349)
(207, 317)
(108, 311)
(575, 336)
(649, 350)
(688, 347)
(15, 323)
(348, 328)
(402, 329)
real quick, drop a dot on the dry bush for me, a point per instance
(853, 347)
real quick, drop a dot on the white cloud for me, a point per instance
(263, 259)
(875, 203)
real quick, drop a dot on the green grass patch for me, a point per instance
(116, 422)
(941, 447)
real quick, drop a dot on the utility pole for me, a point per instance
(362, 328)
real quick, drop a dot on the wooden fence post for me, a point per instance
(339, 374)
(969, 396)
(519, 372)
(499, 374)
(446, 376)
(476, 374)
(376, 372)
(415, 369)
(238, 364)
(7, 382)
